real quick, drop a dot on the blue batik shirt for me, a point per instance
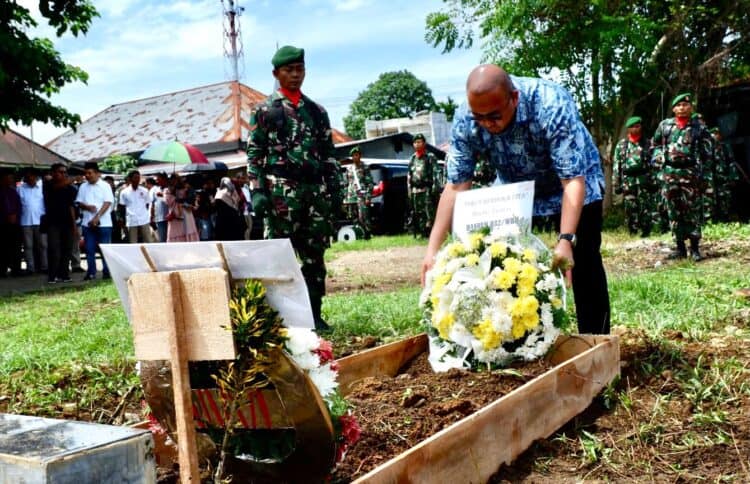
(546, 142)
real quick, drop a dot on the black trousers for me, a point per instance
(590, 289)
(59, 251)
(10, 248)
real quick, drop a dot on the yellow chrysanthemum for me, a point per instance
(528, 272)
(556, 302)
(524, 288)
(513, 265)
(472, 260)
(529, 255)
(434, 300)
(530, 304)
(445, 324)
(518, 329)
(504, 280)
(498, 249)
(474, 241)
(456, 249)
(487, 335)
(439, 283)
(530, 321)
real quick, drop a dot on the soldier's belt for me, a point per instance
(295, 174)
(635, 171)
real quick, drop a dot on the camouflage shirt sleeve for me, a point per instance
(257, 144)
(657, 147)
(617, 165)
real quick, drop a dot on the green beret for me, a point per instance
(685, 96)
(632, 120)
(419, 136)
(354, 150)
(714, 130)
(696, 116)
(287, 55)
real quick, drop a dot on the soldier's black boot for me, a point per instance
(320, 324)
(680, 252)
(695, 253)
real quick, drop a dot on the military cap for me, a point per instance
(633, 120)
(685, 96)
(714, 130)
(287, 55)
(354, 150)
(419, 136)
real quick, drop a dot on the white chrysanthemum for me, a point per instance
(547, 318)
(307, 361)
(454, 264)
(301, 340)
(324, 379)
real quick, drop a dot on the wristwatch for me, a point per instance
(569, 237)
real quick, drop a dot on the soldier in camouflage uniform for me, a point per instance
(726, 176)
(295, 176)
(634, 178)
(421, 182)
(681, 150)
(359, 186)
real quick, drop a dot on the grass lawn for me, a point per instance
(54, 340)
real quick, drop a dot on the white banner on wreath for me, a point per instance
(505, 209)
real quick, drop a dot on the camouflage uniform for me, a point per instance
(290, 153)
(359, 195)
(681, 155)
(421, 183)
(634, 178)
(484, 173)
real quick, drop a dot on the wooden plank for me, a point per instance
(186, 446)
(472, 449)
(384, 360)
(205, 296)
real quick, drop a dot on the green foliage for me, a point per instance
(380, 242)
(393, 95)
(448, 107)
(615, 57)
(121, 164)
(31, 70)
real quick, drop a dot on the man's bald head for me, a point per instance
(491, 97)
(488, 78)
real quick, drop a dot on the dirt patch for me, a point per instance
(397, 413)
(679, 413)
(375, 270)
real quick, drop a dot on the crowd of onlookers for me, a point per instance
(48, 219)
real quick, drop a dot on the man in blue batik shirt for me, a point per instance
(530, 129)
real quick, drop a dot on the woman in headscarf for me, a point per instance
(230, 221)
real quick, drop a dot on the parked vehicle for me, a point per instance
(389, 196)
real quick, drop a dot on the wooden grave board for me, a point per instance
(204, 294)
(472, 449)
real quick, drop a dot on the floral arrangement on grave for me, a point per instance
(259, 337)
(492, 299)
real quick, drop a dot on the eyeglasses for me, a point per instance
(493, 116)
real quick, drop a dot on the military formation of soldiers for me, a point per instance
(681, 178)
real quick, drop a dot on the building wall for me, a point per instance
(434, 126)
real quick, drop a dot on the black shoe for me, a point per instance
(52, 281)
(696, 255)
(321, 326)
(89, 277)
(77, 270)
(65, 279)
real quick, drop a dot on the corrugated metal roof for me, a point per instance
(200, 116)
(17, 150)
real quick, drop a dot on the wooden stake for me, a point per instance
(188, 451)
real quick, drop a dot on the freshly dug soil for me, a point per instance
(396, 414)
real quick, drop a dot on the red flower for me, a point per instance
(349, 428)
(324, 351)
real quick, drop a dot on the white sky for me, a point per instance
(143, 48)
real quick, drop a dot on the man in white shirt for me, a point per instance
(159, 208)
(32, 210)
(137, 201)
(95, 199)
